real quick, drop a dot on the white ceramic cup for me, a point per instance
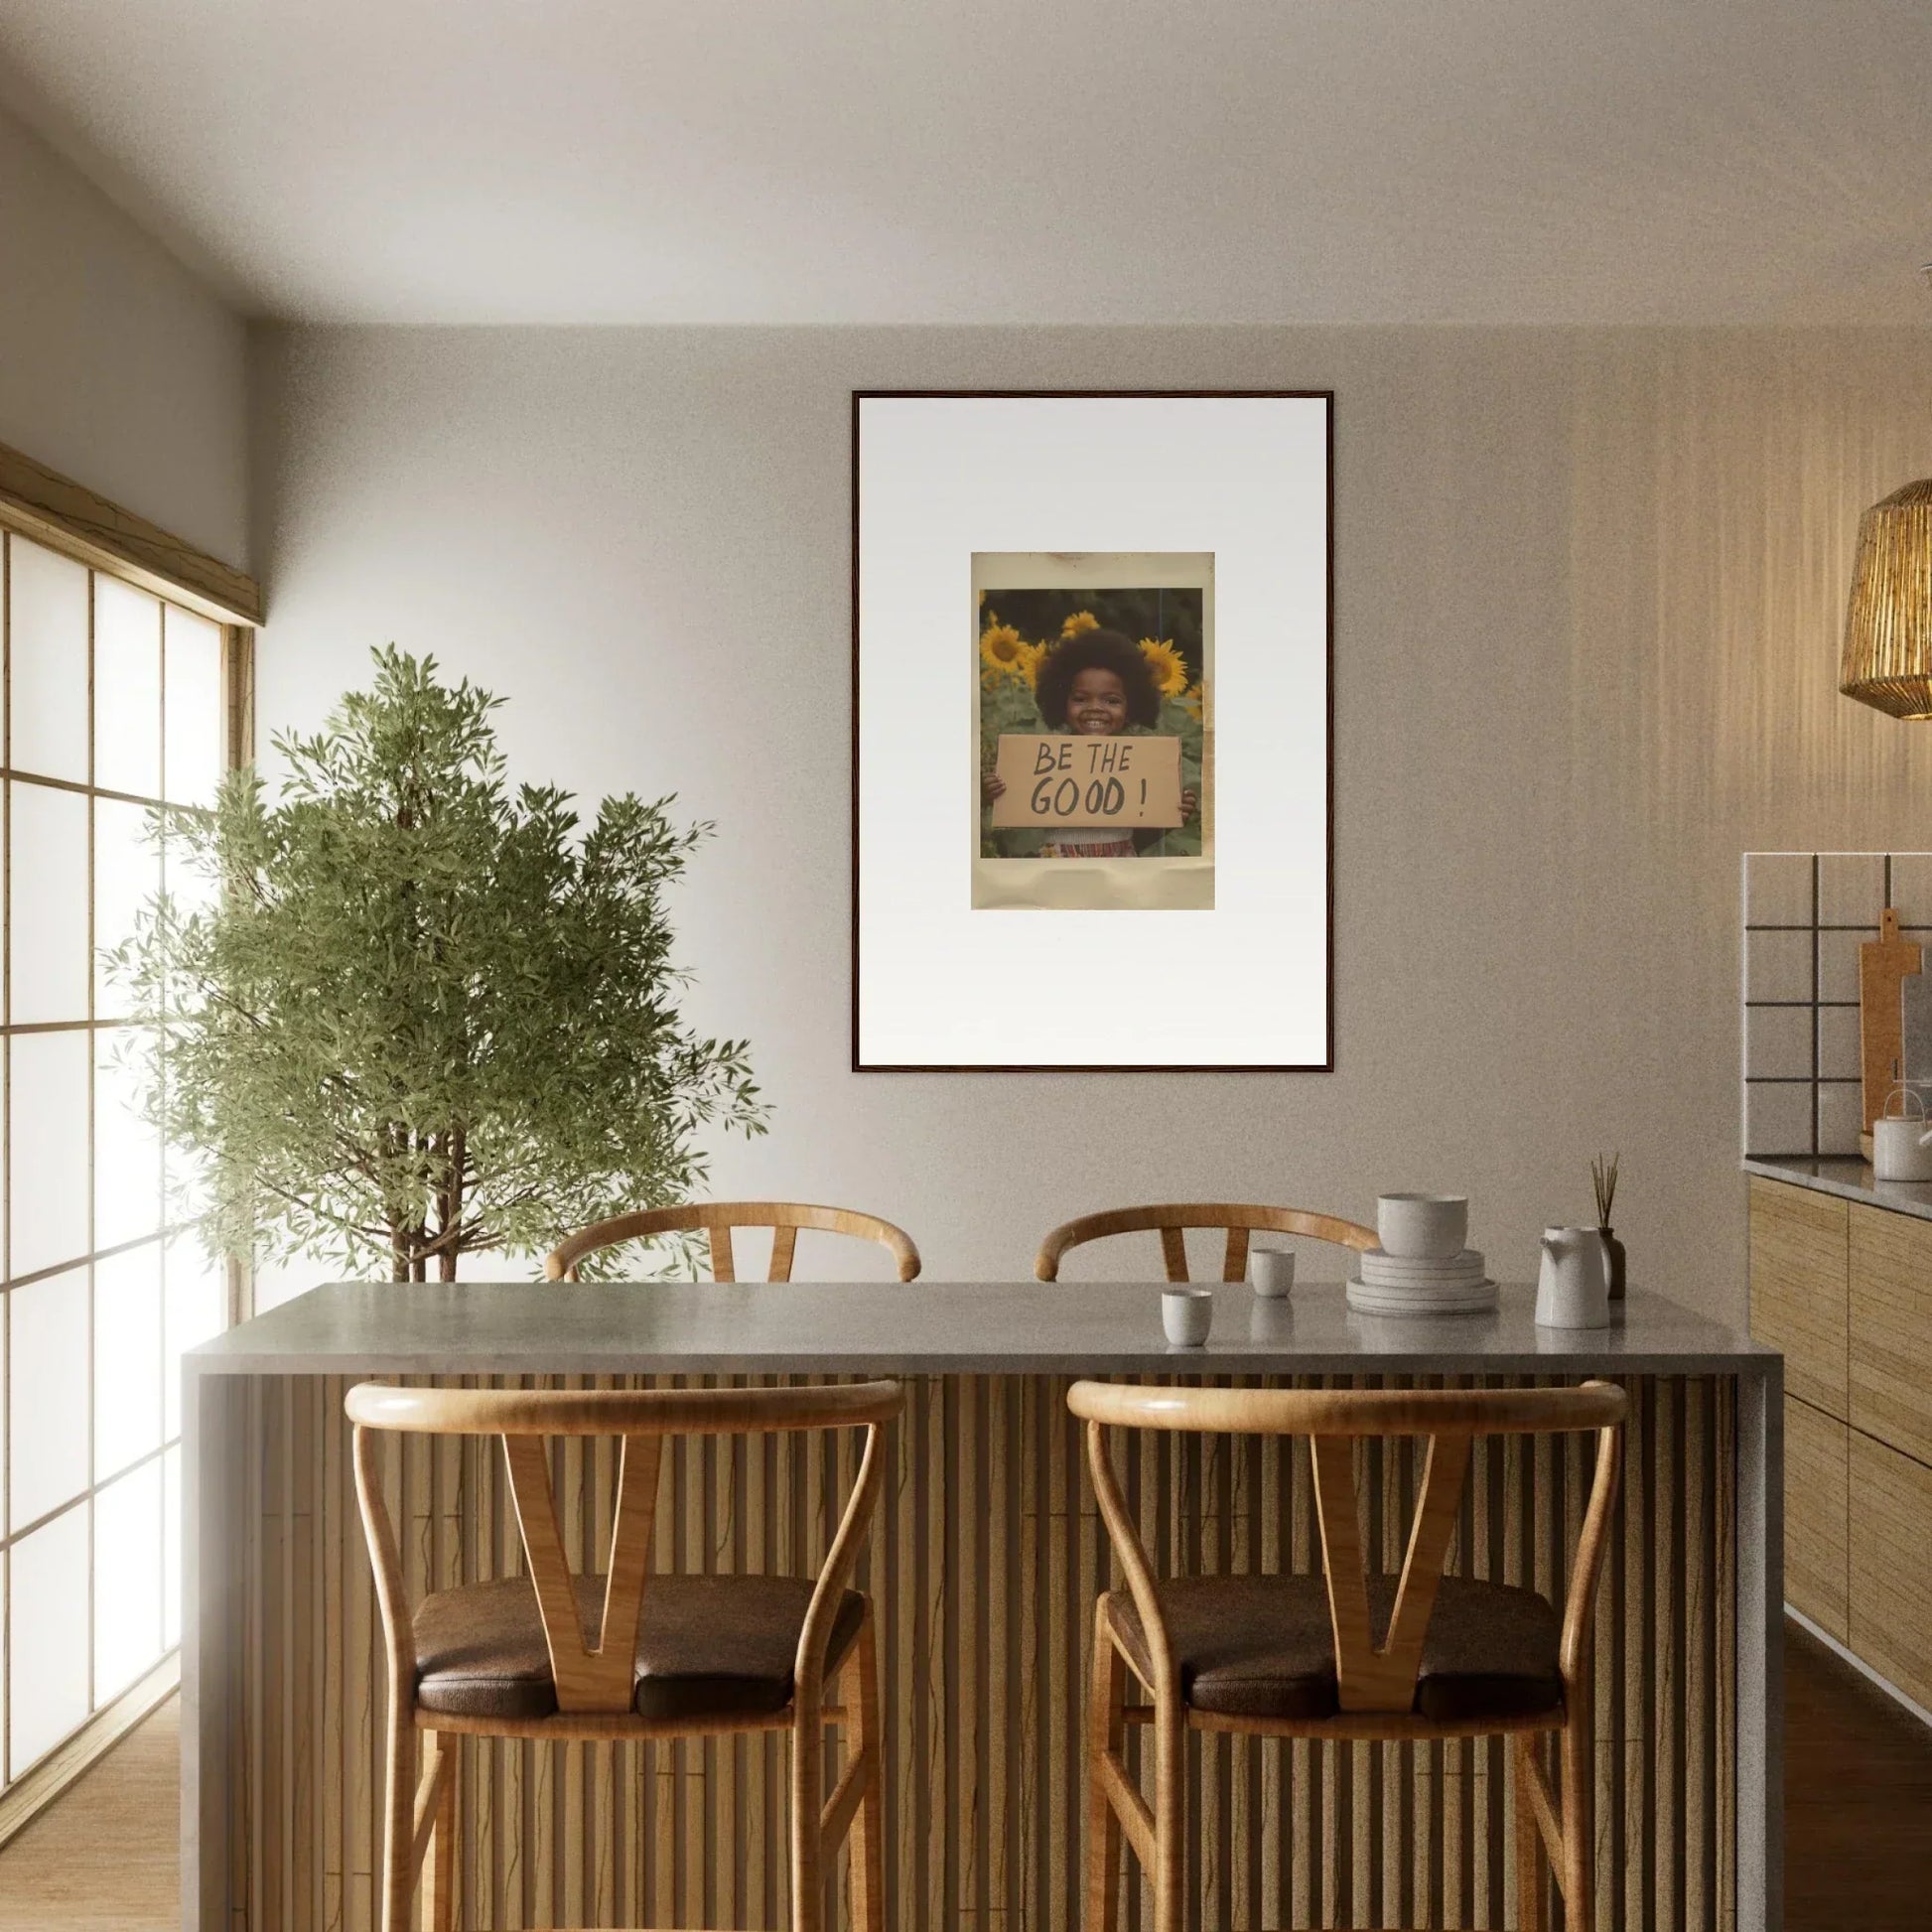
(1272, 1271)
(1186, 1313)
(1432, 1228)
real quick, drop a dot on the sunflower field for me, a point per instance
(1009, 663)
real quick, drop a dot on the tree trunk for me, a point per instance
(450, 1203)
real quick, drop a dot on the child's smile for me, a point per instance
(1097, 703)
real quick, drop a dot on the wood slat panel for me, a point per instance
(1891, 1329)
(1799, 1266)
(986, 1555)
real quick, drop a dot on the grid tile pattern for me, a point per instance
(1806, 914)
(112, 701)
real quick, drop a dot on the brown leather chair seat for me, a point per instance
(708, 1647)
(1263, 1647)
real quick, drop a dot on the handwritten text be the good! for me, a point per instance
(1051, 780)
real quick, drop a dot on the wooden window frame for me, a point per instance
(48, 508)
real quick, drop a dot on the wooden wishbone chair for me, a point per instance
(718, 1217)
(1348, 1655)
(555, 1655)
(1173, 1218)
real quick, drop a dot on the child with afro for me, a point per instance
(1095, 683)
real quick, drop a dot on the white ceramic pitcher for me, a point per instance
(1572, 1290)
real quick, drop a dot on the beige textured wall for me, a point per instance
(1588, 589)
(117, 367)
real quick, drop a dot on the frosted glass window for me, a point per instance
(127, 1580)
(127, 1358)
(127, 1152)
(127, 689)
(127, 876)
(191, 886)
(48, 666)
(196, 1309)
(185, 1185)
(47, 1662)
(194, 708)
(48, 1121)
(171, 1547)
(113, 694)
(46, 1461)
(48, 914)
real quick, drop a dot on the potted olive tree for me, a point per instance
(412, 1014)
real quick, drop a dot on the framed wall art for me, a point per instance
(1092, 818)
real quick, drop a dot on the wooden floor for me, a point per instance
(1857, 1811)
(106, 1856)
(1858, 1796)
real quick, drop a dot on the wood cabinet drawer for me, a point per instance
(1799, 1241)
(1817, 1500)
(1891, 1581)
(1891, 1329)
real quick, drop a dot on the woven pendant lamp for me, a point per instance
(1888, 658)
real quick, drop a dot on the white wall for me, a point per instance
(1588, 593)
(117, 367)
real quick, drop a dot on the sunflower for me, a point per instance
(1003, 652)
(1080, 620)
(1170, 668)
(1191, 699)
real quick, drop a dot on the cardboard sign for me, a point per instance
(1054, 778)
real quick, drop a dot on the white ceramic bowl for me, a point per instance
(1188, 1314)
(1423, 1226)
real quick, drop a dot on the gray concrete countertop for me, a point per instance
(932, 1328)
(1851, 1179)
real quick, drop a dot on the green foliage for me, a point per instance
(423, 1017)
(1006, 705)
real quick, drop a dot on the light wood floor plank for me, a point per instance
(106, 1855)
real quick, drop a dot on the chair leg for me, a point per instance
(869, 1828)
(1529, 1839)
(439, 1905)
(1579, 1818)
(807, 1801)
(399, 1762)
(1106, 1733)
(1170, 1813)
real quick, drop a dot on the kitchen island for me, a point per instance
(985, 1558)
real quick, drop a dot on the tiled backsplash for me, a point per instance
(1806, 914)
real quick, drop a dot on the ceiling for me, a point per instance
(1004, 161)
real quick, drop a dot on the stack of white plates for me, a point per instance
(1416, 1284)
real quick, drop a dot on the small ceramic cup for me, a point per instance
(1188, 1314)
(1272, 1271)
(1423, 1227)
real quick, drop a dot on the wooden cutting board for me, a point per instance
(1884, 964)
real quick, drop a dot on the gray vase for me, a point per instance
(1614, 1248)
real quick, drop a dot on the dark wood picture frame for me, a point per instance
(1326, 397)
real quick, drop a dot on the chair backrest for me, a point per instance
(593, 1671)
(1173, 1218)
(717, 1219)
(1371, 1676)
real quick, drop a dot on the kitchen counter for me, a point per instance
(1849, 1178)
(931, 1329)
(984, 1559)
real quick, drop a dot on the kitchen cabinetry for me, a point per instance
(1843, 1287)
